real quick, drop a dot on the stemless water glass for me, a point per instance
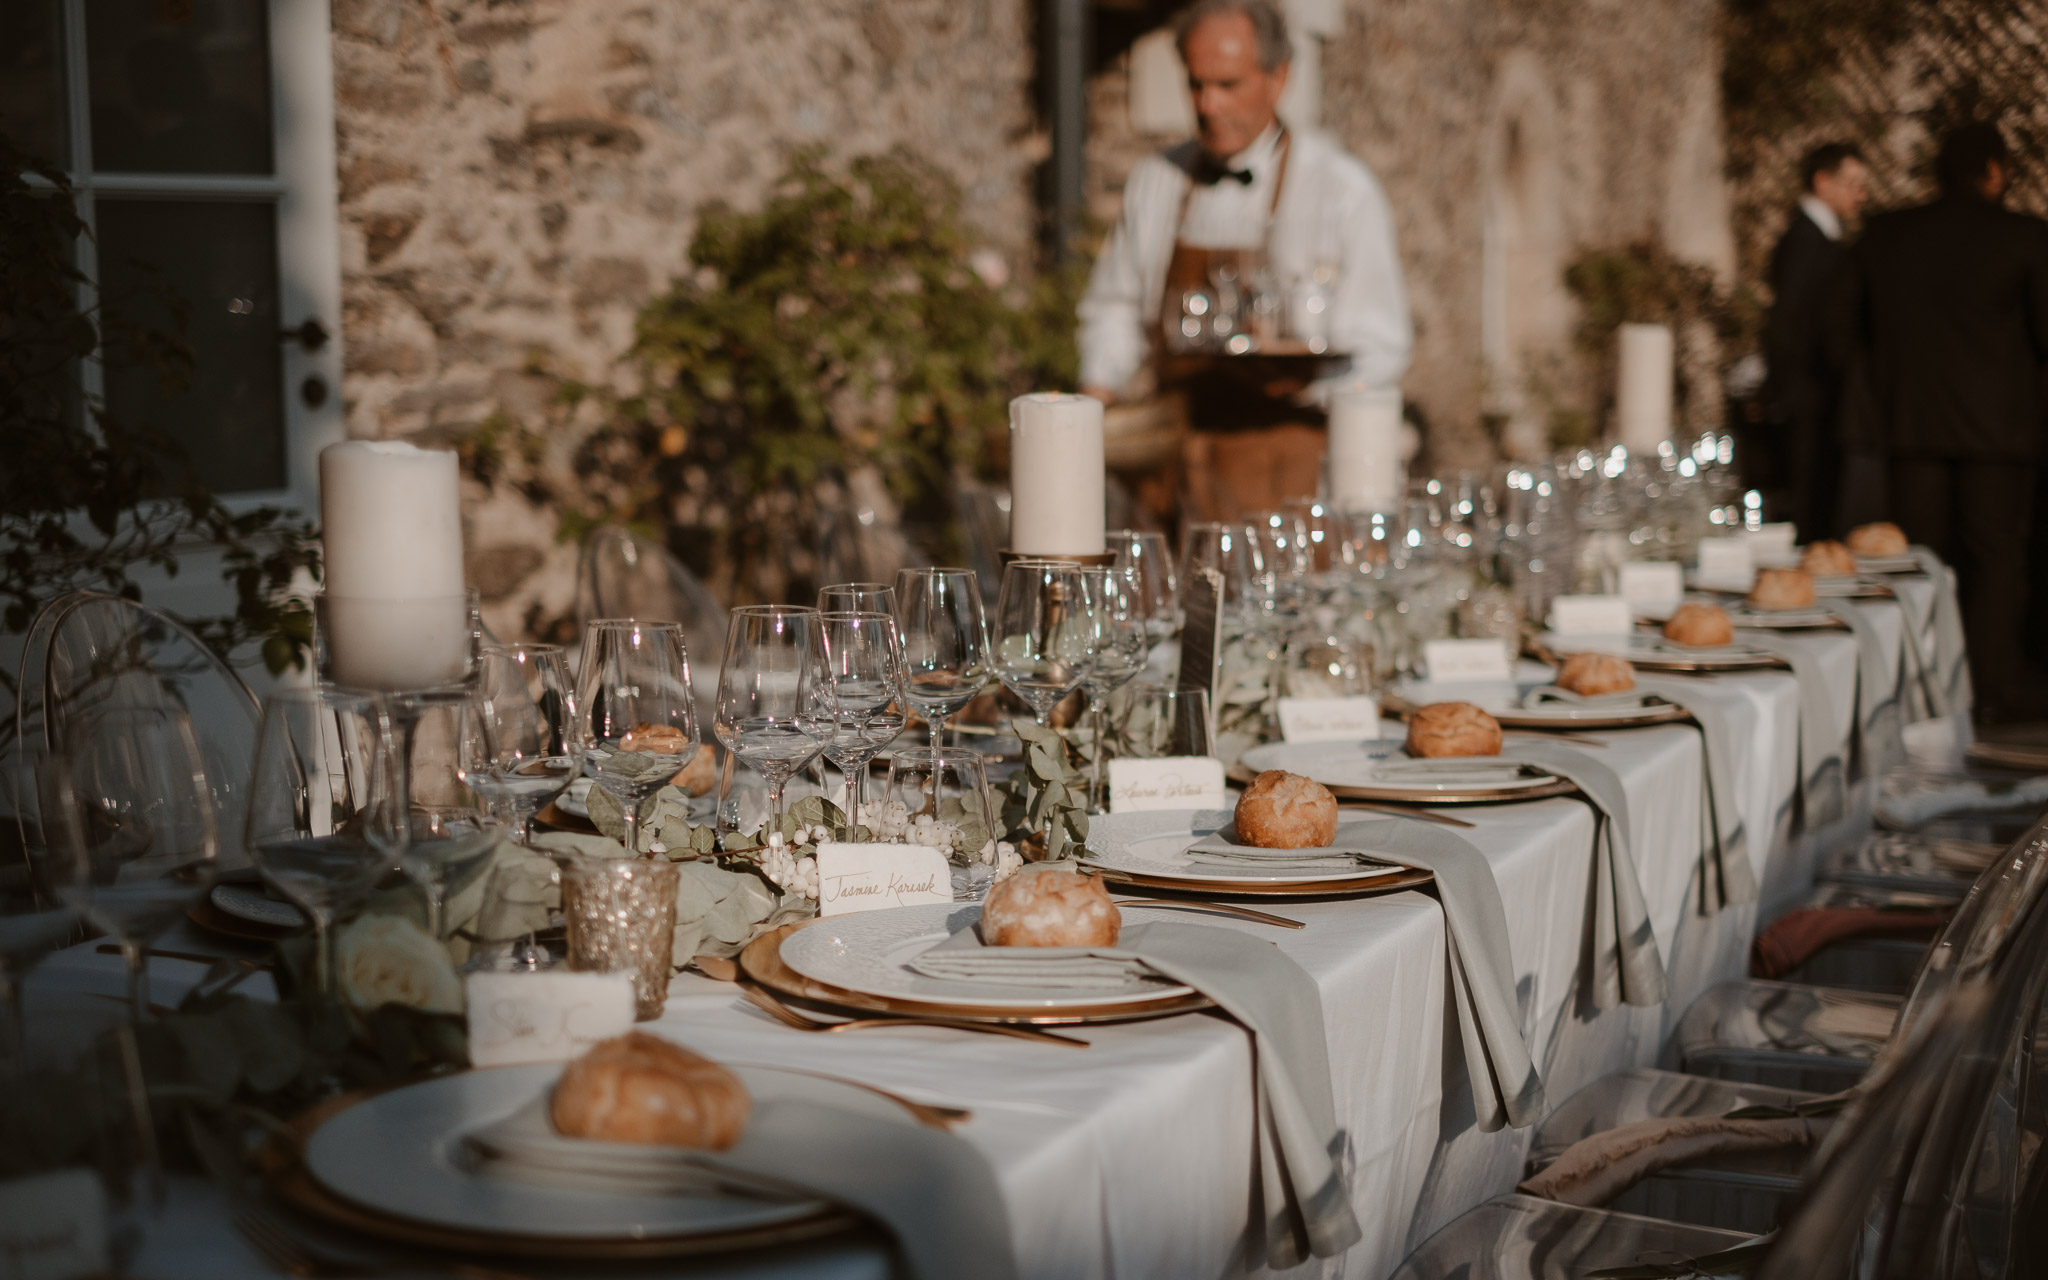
(776, 709)
(1144, 554)
(857, 597)
(1116, 617)
(866, 666)
(1044, 643)
(129, 833)
(323, 770)
(525, 744)
(952, 790)
(633, 700)
(944, 634)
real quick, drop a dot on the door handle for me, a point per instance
(312, 335)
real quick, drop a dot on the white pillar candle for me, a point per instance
(1056, 475)
(391, 531)
(1643, 387)
(1364, 450)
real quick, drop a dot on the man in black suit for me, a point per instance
(1949, 311)
(1803, 389)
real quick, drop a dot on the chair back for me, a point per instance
(1983, 923)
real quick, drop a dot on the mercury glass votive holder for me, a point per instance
(621, 916)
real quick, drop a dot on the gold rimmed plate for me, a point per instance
(1378, 770)
(1651, 652)
(1148, 850)
(1505, 705)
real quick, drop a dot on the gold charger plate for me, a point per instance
(283, 1164)
(1669, 713)
(1406, 795)
(762, 962)
(1197, 890)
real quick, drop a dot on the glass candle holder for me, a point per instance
(621, 916)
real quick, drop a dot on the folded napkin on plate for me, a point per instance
(1305, 1205)
(934, 1192)
(1630, 700)
(1627, 966)
(1726, 876)
(1878, 721)
(1823, 788)
(1904, 811)
(1222, 849)
(1951, 673)
(1473, 771)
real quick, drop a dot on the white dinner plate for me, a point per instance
(1155, 844)
(870, 952)
(402, 1153)
(255, 904)
(1381, 762)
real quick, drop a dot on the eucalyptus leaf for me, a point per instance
(606, 813)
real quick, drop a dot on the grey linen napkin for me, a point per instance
(934, 1192)
(1823, 790)
(1952, 674)
(1304, 1204)
(1634, 698)
(1877, 690)
(1627, 966)
(1505, 1087)
(1726, 876)
(1920, 694)
(1907, 809)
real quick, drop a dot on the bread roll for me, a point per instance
(1882, 538)
(1782, 589)
(1596, 674)
(641, 1088)
(1453, 729)
(1283, 810)
(1828, 559)
(1702, 626)
(1050, 906)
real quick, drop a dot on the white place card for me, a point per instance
(868, 877)
(1773, 539)
(1652, 583)
(1727, 560)
(1168, 782)
(1329, 719)
(544, 1017)
(1592, 616)
(53, 1226)
(1485, 658)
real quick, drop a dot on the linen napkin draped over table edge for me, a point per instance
(1726, 876)
(1952, 674)
(1506, 1090)
(1878, 714)
(934, 1192)
(1823, 789)
(1303, 1205)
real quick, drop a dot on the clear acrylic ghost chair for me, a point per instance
(91, 652)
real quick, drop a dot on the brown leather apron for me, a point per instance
(1249, 447)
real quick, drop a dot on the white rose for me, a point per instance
(390, 960)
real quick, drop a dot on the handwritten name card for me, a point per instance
(1727, 561)
(1485, 658)
(1591, 616)
(1169, 782)
(1329, 719)
(1653, 584)
(544, 1017)
(868, 877)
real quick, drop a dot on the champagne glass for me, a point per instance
(945, 642)
(639, 726)
(130, 836)
(776, 708)
(450, 830)
(865, 661)
(1116, 617)
(1145, 556)
(1045, 643)
(858, 597)
(324, 764)
(524, 746)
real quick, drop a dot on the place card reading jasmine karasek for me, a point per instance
(868, 877)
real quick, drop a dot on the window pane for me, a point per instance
(179, 86)
(217, 263)
(32, 78)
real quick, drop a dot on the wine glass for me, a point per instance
(859, 597)
(865, 661)
(776, 708)
(450, 831)
(129, 829)
(639, 727)
(1116, 617)
(524, 745)
(1145, 556)
(323, 767)
(945, 642)
(1044, 643)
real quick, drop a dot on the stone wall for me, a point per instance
(519, 176)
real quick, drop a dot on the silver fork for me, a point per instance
(283, 1247)
(798, 1020)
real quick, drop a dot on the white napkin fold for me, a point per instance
(1625, 701)
(935, 1193)
(1304, 1205)
(1476, 771)
(1726, 876)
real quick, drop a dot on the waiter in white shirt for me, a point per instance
(1246, 191)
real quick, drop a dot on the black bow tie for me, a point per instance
(1209, 171)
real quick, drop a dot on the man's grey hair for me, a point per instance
(1275, 49)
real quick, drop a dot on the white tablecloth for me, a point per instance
(1130, 1159)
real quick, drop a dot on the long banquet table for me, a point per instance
(1131, 1159)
